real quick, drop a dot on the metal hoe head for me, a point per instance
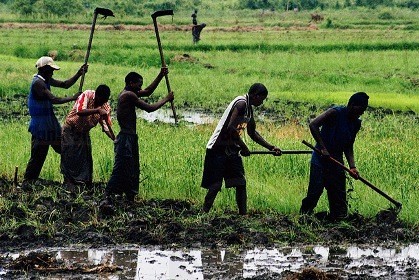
(162, 13)
(104, 12)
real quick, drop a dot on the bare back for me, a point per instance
(126, 115)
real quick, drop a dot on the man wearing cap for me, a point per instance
(335, 131)
(44, 126)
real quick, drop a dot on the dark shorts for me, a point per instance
(218, 166)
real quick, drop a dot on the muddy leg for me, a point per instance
(39, 151)
(336, 193)
(241, 199)
(315, 189)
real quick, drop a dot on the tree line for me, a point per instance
(325, 4)
(141, 7)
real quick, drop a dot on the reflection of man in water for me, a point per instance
(196, 28)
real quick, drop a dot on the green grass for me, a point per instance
(227, 14)
(321, 67)
(304, 70)
(172, 158)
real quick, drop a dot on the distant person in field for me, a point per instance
(126, 170)
(196, 28)
(335, 131)
(194, 17)
(196, 32)
(225, 147)
(44, 126)
(91, 108)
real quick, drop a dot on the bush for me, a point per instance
(385, 15)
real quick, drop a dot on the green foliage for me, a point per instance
(309, 4)
(60, 7)
(386, 15)
(347, 4)
(374, 3)
(305, 71)
(161, 5)
(46, 8)
(261, 4)
(24, 7)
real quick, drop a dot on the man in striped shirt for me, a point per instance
(91, 108)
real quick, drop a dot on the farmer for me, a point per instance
(91, 108)
(196, 29)
(126, 169)
(194, 17)
(222, 158)
(44, 126)
(334, 131)
(196, 32)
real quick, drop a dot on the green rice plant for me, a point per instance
(172, 161)
(306, 71)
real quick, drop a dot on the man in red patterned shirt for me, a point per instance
(91, 108)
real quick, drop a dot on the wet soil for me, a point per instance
(46, 215)
(14, 108)
(49, 215)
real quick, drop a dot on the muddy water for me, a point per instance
(166, 116)
(378, 262)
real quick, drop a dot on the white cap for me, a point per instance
(46, 60)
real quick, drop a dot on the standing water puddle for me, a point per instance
(166, 116)
(400, 262)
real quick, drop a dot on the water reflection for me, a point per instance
(166, 116)
(152, 263)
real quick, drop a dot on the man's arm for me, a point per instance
(255, 136)
(315, 128)
(68, 83)
(150, 89)
(107, 128)
(85, 112)
(236, 117)
(41, 91)
(155, 106)
(349, 154)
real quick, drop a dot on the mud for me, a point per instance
(49, 215)
(14, 108)
(149, 27)
(303, 262)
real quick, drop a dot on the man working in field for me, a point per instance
(196, 28)
(335, 131)
(126, 170)
(222, 158)
(44, 126)
(91, 108)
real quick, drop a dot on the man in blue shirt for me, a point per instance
(335, 131)
(44, 126)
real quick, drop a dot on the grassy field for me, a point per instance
(172, 165)
(305, 70)
(320, 66)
